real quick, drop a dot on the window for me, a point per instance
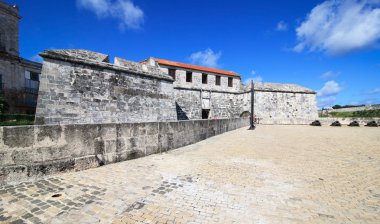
(32, 82)
(230, 82)
(205, 114)
(217, 80)
(172, 73)
(189, 76)
(34, 76)
(204, 78)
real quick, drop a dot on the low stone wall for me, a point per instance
(346, 121)
(32, 151)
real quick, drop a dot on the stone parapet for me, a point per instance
(89, 58)
(29, 152)
(278, 87)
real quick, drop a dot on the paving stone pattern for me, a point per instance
(275, 174)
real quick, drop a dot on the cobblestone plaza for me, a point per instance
(275, 174)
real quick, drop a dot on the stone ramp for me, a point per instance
(275, 174)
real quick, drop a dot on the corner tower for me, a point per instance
(9, 29)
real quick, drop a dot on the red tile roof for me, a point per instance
(195, 67)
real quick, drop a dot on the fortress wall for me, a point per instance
(84, 88)
(272, 106)
(282, 104)
(188, 104)
(285, 108)
(79, 86)
(28, 152)
(191, 101)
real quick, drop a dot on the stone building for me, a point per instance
(201, 92)
(80, 86)
(19, 78)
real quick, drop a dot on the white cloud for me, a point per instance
(331, 88)
(128, 14)
(329, 74)
(282, 26)
(99, 7)
(207, 58)
(254, 79)
(375, 91)
(339, 27)
(253, 72)
(326, 101)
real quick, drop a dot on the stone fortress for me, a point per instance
(80, 86)
(91, 112)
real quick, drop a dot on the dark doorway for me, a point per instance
(245, 114)
(205, 114)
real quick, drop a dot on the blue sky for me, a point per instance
(329, 46)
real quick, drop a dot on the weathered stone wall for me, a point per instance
(274, 103)
(221, 104)
(282, 104)
(226, 105)
(82, 87)
(188, 103)
(32, 151)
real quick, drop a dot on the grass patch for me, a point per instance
(16, 123)
(356, 114)
(16, 119)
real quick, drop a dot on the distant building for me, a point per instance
(19, 78)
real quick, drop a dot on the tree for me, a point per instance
(337, 107)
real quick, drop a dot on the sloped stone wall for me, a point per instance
(33, 151)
